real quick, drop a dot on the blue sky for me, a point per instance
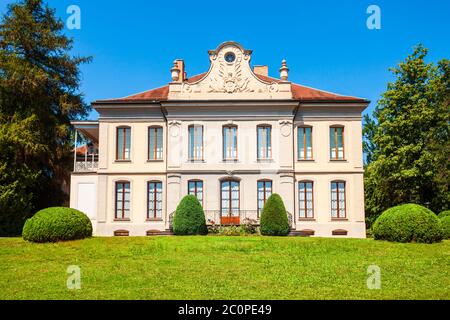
(326, 43)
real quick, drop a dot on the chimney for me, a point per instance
(180, 64)
(261, 70)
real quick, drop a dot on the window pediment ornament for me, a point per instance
(174, 123)
(286, 126)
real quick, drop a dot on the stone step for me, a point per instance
(301, 233)
(160, 233)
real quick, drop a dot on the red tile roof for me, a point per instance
(299, 92)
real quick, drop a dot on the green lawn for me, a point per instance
(213, 267)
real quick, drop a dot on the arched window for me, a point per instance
(230, 148)
(122, 200)
(304, 143)
(155, 143)
(306, 199)
(123, 143)
(337, 143)
(195, 187)
(338, 205)
(264, 141)
(264, 192)
(154, 200)
(195, 147)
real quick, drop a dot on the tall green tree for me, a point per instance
(39, 95)
(407, 139)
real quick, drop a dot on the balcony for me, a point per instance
(85, 157)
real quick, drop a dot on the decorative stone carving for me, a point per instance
(286, 126)
(230, 77)
(174, 128)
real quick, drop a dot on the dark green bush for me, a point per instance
(57, 224)
(189, 217)
(407, 223)
(445, 223)
(274, 220)
(443, 214)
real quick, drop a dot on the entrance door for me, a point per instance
(229, 196)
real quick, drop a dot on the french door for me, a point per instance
(229, 202)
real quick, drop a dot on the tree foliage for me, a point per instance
(408, 223)
(274, 220)
(407, 141)
(189, 217)
(39, 95)
(57, 224)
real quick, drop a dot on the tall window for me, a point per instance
(122, 200)
(154, 200)
(230, 142)
(195, 187)
(123, 143)
(155, 143)
(304, 140)
(229, 198)
(195, 142)
(338, 199)
(305, 199)
(264, 141)
(337, 143)
(264, 192)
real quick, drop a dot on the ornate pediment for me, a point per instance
(229, 77)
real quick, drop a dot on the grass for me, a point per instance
(214, 267)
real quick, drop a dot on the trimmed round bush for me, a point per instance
(408, 223)
(443, 214)
(189, 218)
(57, 224)
(445, 223)
(274, 220)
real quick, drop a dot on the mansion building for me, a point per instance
(231, 136)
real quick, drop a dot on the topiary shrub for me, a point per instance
(407, 223)
(274, 220)
(443, 214)
(189, 217)
(57, 224)
(445, 223)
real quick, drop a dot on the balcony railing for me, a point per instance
(86, 166)
(236, 217)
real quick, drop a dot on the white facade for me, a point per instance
(136, 193)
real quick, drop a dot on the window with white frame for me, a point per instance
(229, 142)
(264, 142)
(122, 200)
(338, 199)
(155, 143)
(305, 199)
(195, 142)
(154, 200)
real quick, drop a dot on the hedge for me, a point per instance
(274, 220)
(408, 223)
(57, 224)
(445, 222)
(189, 218)
(443, 214)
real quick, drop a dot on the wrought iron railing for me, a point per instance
(235, 217)
(83, 166)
